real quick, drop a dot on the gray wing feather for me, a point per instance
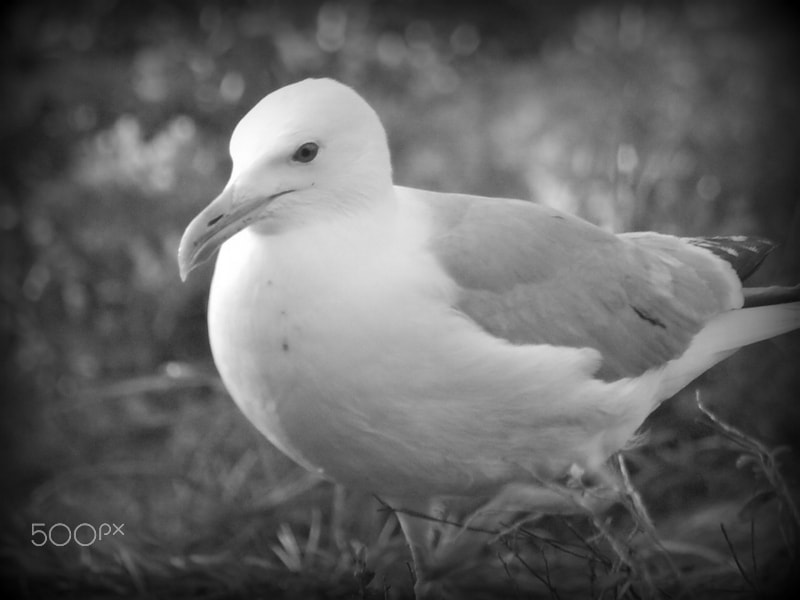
(532, 275)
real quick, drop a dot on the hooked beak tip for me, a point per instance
(205, 233)
(190, 251)
(184, 266)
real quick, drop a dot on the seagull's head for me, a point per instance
(306, 153)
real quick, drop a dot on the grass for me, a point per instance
(211, 510)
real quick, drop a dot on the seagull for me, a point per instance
(423, 345)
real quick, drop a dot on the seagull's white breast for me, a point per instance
(346, 354)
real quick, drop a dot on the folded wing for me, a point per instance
(532, 275)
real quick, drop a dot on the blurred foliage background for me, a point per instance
(680, 117)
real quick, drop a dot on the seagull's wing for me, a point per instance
(533, 275)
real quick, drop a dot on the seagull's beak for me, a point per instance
(226, 216)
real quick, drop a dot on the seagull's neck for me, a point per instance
(336, 209)
(334, 238)
(314, 264)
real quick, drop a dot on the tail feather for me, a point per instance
(724, 335)
(763, 296)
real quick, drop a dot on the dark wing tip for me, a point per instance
(744, 253)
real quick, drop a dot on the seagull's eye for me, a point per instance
(306, 153)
